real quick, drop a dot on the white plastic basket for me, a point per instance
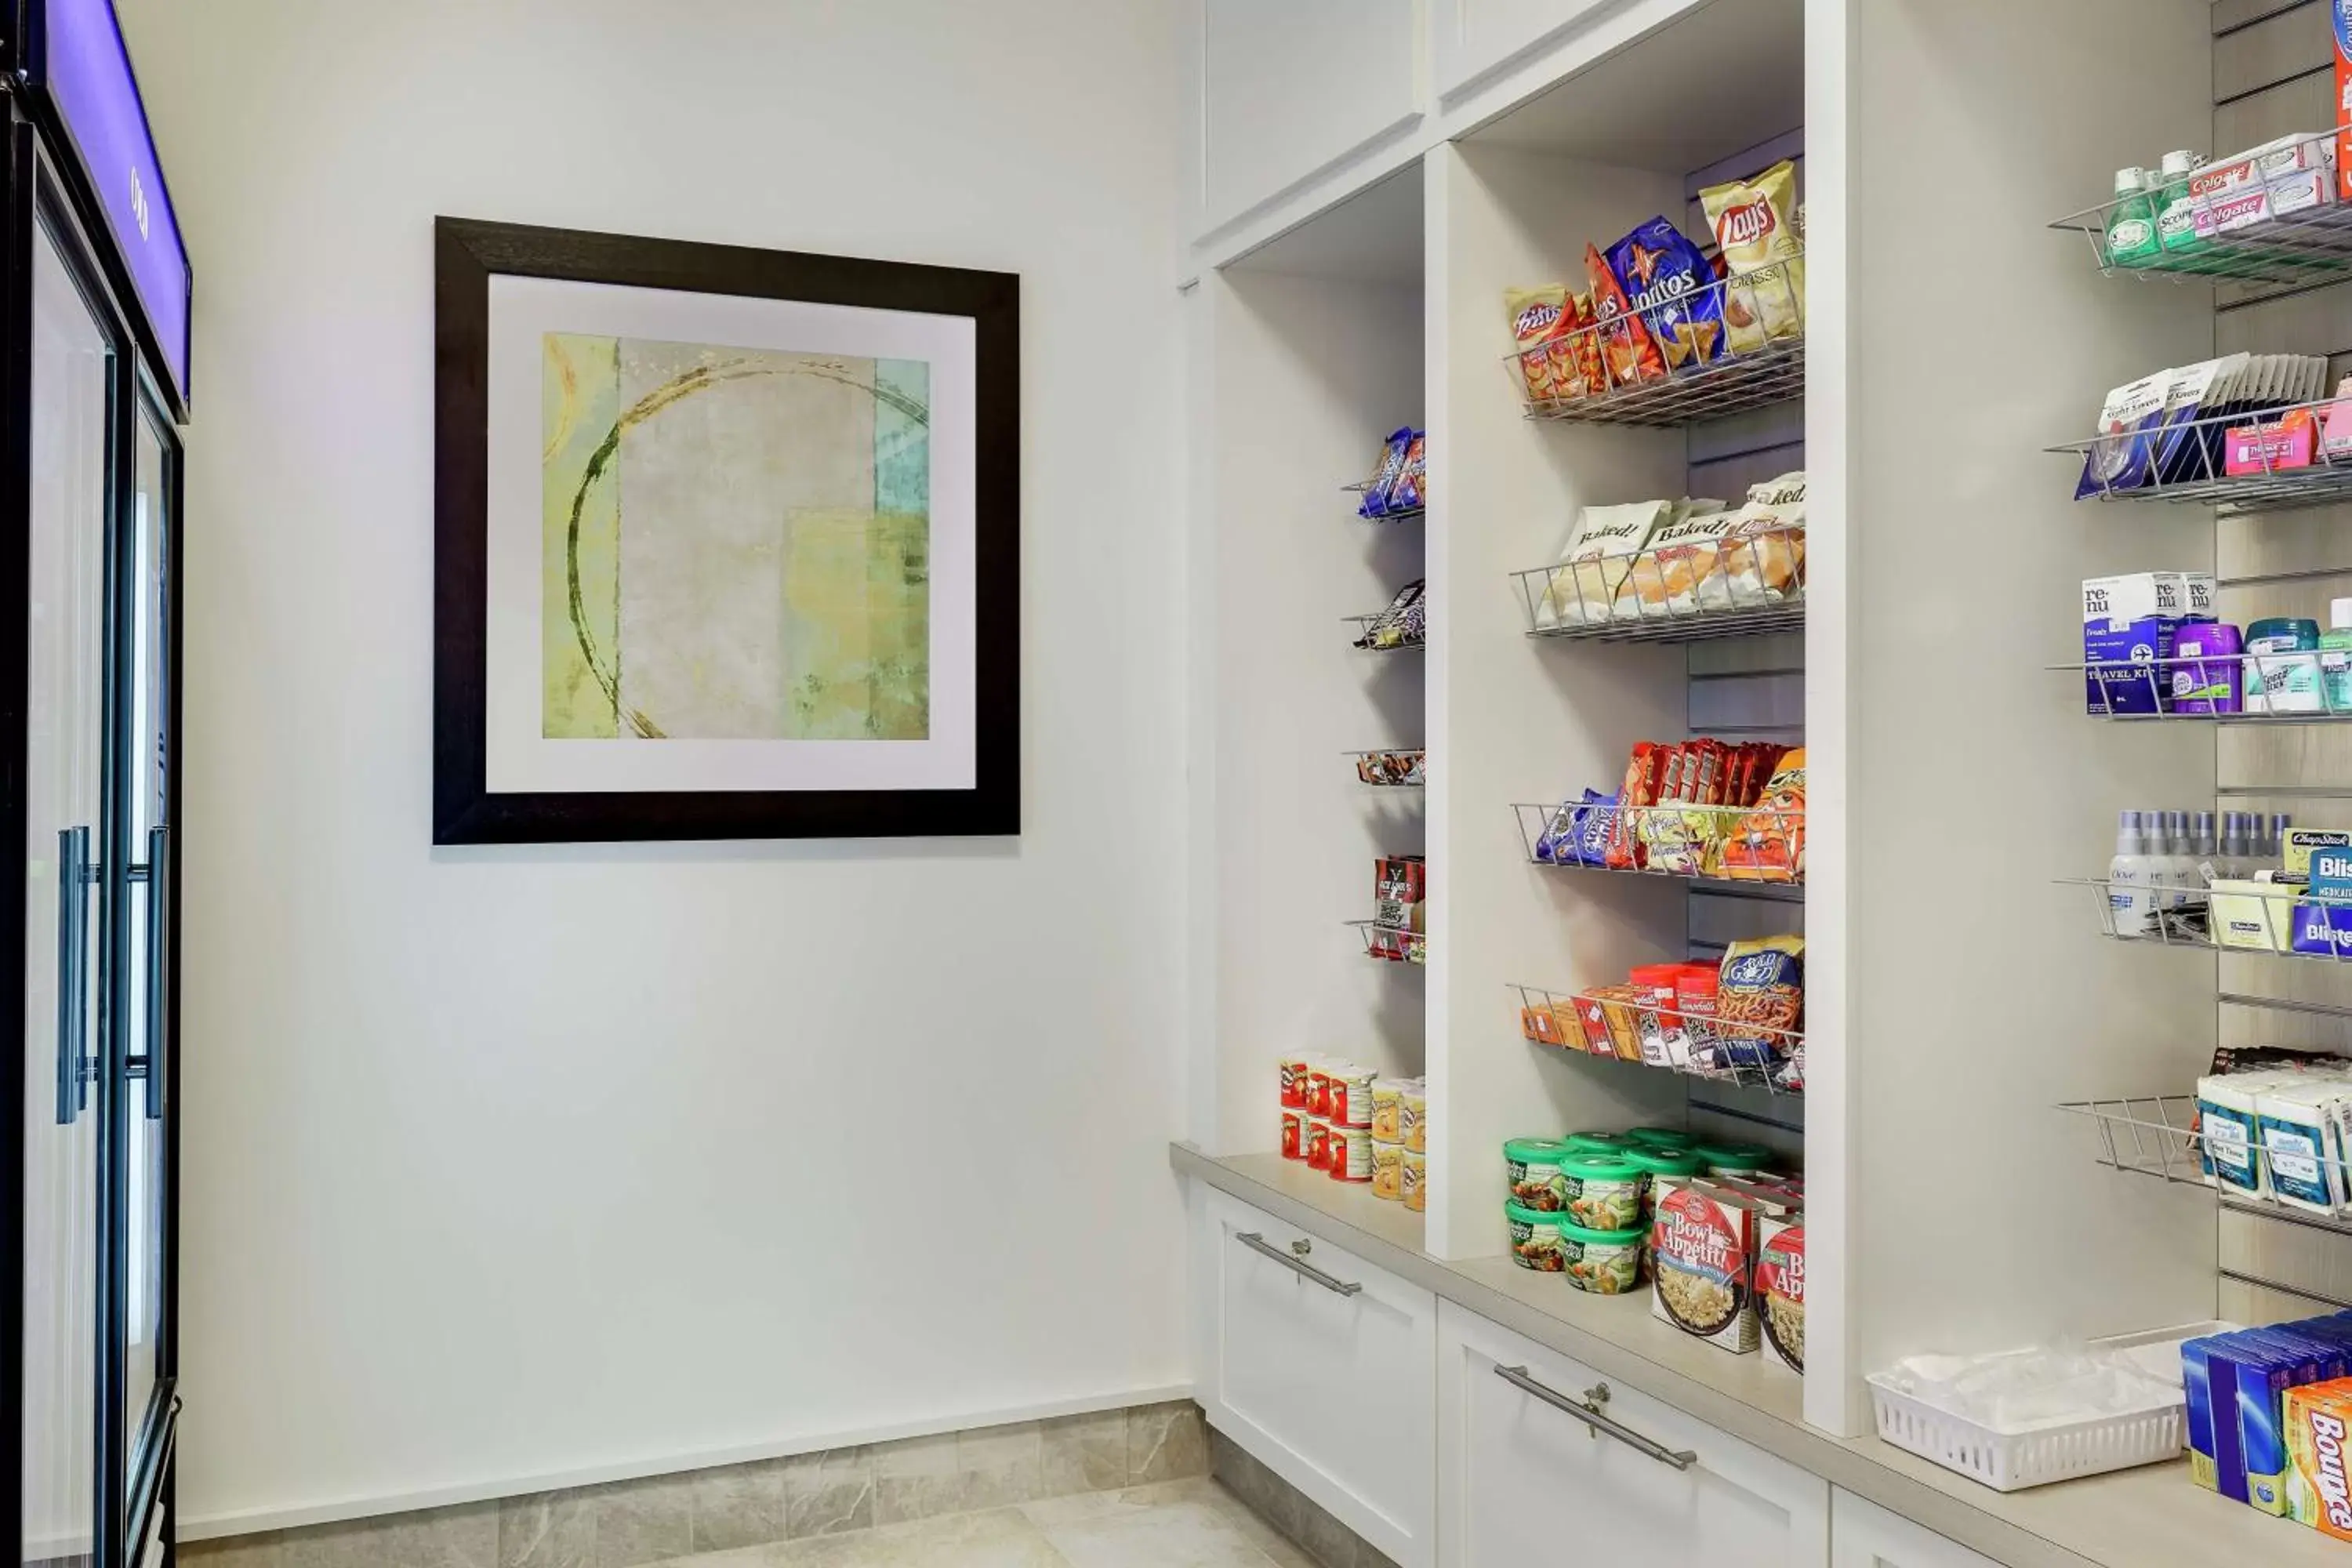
(2053, 1451)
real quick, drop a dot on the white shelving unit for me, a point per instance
(1950, 336)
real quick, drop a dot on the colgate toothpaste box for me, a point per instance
(2318, 1429)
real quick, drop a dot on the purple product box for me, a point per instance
(2126, 672)
(2215, 688)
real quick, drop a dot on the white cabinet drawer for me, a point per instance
(1473, 36)
(1323, 1367)
(1522, 1479)
(1865, 1535)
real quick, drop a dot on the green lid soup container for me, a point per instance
(1600, 1142)
(1605, 1262)
(1535, 1239)
(1655, 1163)
(1532, 1166)
(1662, 1137)
(1602, 1192)
(1734, 1159)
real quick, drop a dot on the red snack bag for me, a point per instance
(1625, 343)
(1645, 772)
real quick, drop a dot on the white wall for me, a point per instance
(504, 1165)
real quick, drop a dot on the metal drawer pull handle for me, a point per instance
(1592, 1416)
(1257, 1244)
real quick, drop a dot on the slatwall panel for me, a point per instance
(1746, 688)
(2273, 77)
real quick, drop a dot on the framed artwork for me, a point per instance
(726, 542)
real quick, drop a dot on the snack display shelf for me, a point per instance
(1402, 768)
(2255, 919)
(2275, 459)
(1757, 826)
(2159, 1136)
(1749, 369)
(1546, 1017)
(2135, 692)
(1363, 488)
(1370, 629)
(1730, 588)
(1394, 944)
(2307, 243)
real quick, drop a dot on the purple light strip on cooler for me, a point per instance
(87, 72)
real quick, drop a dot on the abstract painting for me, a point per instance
(736, 544)
(727, 543)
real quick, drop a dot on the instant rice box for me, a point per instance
(1703, 1255)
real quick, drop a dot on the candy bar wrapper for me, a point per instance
(1631, 353)
(1410, 491)
(1668, 282)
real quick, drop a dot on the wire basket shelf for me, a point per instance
(2272, 219)
(2273, 919)
(2162, 1136)
(1618, 1027)
(1389, 631)
(1698, 840)
(1748, 586)
(2271, 459)
(1363, 488)
(1407, 769)
(2249, 689)
(1575, 375)
(1395, 944)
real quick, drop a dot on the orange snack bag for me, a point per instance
(1768, 846)
(1625, 343)
(1537, 316)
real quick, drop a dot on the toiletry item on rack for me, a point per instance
(2191, 424)
(2131, 630)
(2131, 222)
(2132, 888)
(2282, 665)
(2208, 676)
(2335, 659)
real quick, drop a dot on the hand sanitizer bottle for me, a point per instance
(2131, 892)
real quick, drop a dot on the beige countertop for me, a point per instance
(2153, 1517)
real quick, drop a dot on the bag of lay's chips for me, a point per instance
(1754, 222)
(1667, 280)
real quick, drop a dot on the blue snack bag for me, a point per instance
(1669, 281)
(1384, 477)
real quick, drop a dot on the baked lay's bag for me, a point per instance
(1755, 223)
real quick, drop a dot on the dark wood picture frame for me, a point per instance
(466, 253)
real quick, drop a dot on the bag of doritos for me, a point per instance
(1669, 282)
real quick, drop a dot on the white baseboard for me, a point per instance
(250, 1522)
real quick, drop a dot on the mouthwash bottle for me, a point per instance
(2131, 221)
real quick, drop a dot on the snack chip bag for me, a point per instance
(1410, 491)
(1577, 361)
(1384, 474)
(1753, 221)
(1769, 845)
(1645, 775)
(1626, 346)
(1763, 553)
(1669, 283)
(1597, 560)
(1759, 998)
(1536, 317)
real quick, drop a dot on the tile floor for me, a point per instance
(1171, 1524)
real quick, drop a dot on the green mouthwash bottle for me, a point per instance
(2131, 221)
(2176, 213)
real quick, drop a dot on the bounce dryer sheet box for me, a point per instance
(2318, 1422)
